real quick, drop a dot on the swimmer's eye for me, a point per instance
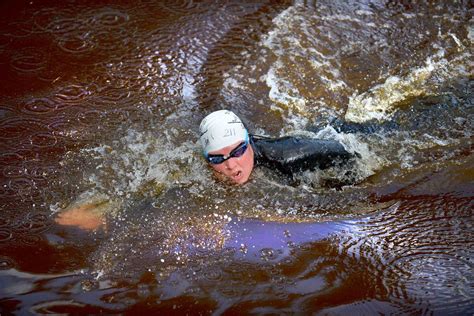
(236, 152)
(215, 159)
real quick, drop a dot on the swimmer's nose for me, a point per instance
(230, 163)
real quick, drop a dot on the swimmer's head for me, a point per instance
(221, 129)
(225, 143)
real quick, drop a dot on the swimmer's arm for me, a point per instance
(87, 216)
(309, 154)
(291, 154)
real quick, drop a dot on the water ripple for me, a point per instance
(19, 29)
(33, 223)
(30, 239)
(13, 171)
(4, 42)
(5, 235)
(43, 140)
(214, 275)
(44, 19)
(28, 60)
(56, 306)
(117, 41)
(18, 127)
(179, 7)
(109, 18)
(73, 93)
(6, 263)
(76, 44)
(39, 105)
(413, 246)
(142, 61)
(6, 111)
(24, 187)
(14, 128)
(108, 95)
(90, 117)
(65, 26)
(41, 172)
(10, 158)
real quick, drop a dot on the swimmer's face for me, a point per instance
(236, 169)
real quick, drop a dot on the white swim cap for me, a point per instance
(221, 129)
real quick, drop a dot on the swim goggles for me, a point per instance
(236, 152)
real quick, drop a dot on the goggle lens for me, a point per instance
(236, 152)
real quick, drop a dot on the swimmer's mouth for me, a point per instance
(237, 174)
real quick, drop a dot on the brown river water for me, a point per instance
(100, 102)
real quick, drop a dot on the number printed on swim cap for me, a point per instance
(221, 129)
(229, 132)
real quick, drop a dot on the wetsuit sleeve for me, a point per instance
(292, 154)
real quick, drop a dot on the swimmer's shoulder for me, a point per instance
(292, 154)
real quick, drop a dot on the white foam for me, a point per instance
(341, 17)
(139, 158)
(282, 92)
(470, 32)
(368, 163)
(456, 39)
(363, 12)
(231, 83)
(292, 41)
(379, 102)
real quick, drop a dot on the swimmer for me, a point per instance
(233, 153)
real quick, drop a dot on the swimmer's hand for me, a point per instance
(84, 216)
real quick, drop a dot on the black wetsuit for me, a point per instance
(294, 154)
(290, 155)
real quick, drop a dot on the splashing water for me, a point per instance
(120, 133)
(381, 101)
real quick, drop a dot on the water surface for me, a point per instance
(100, 103)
